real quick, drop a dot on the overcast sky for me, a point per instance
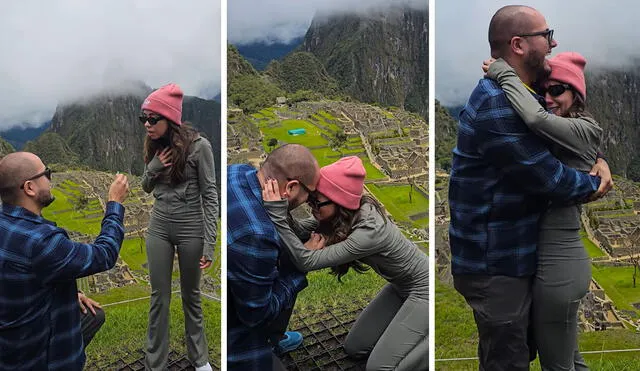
(283, 20)
(606, 33)
(56, 51)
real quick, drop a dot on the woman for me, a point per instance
(180, 172)
(394, 326)
(564, 268)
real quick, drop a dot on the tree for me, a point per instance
(337, 141)
(634, 254)
(272, 143)
(411, 181)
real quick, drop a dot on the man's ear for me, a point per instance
(28, 189)
(516, 45)
(288, 188)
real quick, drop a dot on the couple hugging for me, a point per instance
(269, 253)
(527, 156)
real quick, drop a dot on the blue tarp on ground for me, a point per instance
(297, 131)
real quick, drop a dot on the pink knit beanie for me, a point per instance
(167, 102)
(343, 181)
(568, 67)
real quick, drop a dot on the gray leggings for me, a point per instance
(164, 238)
(394, 330)
(562, 279)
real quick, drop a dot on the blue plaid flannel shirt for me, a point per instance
(39, 311)
(502, 178)
(259, 287)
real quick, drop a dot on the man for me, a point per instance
(262, 281)
(502, 178)
(40, 326)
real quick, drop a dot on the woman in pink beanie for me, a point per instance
(180, 172)
(564, 268)
(354, 231)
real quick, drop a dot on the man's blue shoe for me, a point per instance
(291, 341)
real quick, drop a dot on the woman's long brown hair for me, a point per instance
(179, 139)
(339, 228)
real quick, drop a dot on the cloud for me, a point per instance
(283, 20)
(605, 33)
(57, 51)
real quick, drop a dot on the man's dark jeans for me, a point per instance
(501, 308)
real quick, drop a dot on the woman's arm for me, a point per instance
(209, 195)
(361, 242)
(577, 135)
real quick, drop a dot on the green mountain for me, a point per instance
(105, 134)
(613, 98)
(247, 89)
(302, 71)
(5, 148)
(380, 57)
(446, 133)
(52, 149)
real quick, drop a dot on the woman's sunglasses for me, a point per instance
(151, 119)
(313, 202)
(46, 173)
(556, 90)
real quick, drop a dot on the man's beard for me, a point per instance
(535, 64)
(45, 198)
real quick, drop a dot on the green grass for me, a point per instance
(325, 290)
(372, 171)
(126, 327)
(396, 201)
(592, 249)
(617, 283)
(456, 337)
(312, 137)
(134, 253)
(62, 211)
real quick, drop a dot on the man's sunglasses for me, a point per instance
(556, 90)
(151, 119)
(548, 33)
(46, 172)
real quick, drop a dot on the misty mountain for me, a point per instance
(105, 134)
(19, 136)
(260, 54)
(381, 57)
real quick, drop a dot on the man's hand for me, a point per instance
(85, 303)
(316, 242)
(601, 169)
(119, 189)
(486, 63)
(205, 262)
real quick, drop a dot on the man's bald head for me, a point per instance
(509, 21)
(292, 161)
(14, 169)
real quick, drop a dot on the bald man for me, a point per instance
(262, 282)
(503, 177)
(40, 325)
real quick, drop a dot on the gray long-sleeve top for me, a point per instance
(573, 141)
(373, 241)
(196, 198)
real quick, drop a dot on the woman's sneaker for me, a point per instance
(291, 341)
